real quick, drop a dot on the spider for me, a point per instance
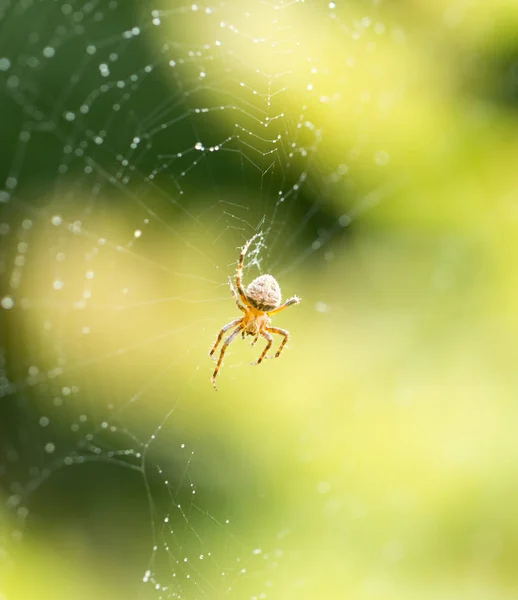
(261, 300)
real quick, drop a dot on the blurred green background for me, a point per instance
(375, 145)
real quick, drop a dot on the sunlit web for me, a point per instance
(131, 136)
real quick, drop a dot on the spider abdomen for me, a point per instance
(264, 293)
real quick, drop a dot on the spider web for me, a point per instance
(142, 146)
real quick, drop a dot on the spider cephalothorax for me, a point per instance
(261, 299)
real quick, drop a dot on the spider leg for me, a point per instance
(227, 342)
(279, 331)
(236, 297)
(220, 334)
(290, 302)
(267, 336)
(239, 271)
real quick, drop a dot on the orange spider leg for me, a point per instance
(268, 346)
(227, 342)
(290, 302)
(239, 272)
(234, 293)
(220, 334)
(283, 332)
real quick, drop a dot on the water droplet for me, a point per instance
(7, 302)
